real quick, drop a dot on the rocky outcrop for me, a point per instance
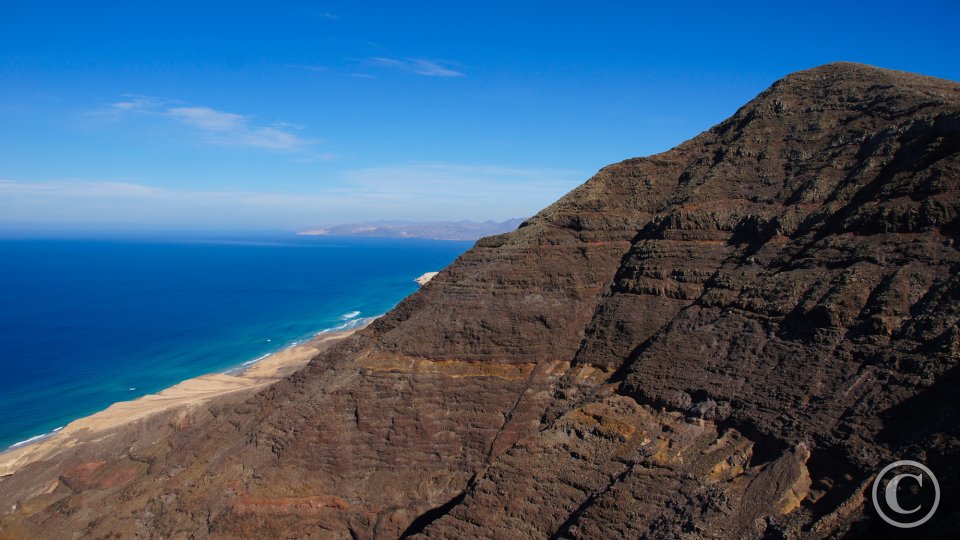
(725, 340)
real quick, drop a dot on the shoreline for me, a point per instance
(190, 393)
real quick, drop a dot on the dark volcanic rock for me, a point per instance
(725, 340)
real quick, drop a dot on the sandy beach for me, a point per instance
(186, 395)
(422, 280)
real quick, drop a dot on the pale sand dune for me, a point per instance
(187, 394)
(422, 280)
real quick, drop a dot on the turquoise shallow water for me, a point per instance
(87, 323)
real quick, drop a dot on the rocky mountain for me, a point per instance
(434, 230)
(726, 340)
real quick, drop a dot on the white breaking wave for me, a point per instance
(348, 325)
(350, 319)
(28, 441)
(35, 438)
(257, 359)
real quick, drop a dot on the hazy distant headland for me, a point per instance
(432, 230)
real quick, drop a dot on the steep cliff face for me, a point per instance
(728, 339)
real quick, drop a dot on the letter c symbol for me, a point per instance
(890, 493)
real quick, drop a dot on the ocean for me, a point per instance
(87, 323)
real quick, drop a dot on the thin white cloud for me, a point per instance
(418, 66)
(94, 204)
(309, 67)
(425, 191)
(433, 69)
(135, 104)
(219, 127)
(207, 118)
(315, 13)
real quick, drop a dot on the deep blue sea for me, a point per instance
(86, 323)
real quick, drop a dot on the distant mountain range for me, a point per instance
(434, 230)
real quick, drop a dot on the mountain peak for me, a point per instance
(859, 71)
(849, 85)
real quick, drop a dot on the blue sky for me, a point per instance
(288, 115)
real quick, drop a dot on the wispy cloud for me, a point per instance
(137, 103)
(418, 66)
(218, 127)
(309, 67)
(432, 191)
(316, 13)
(115, 205)
(230, 128)
(207, 118)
